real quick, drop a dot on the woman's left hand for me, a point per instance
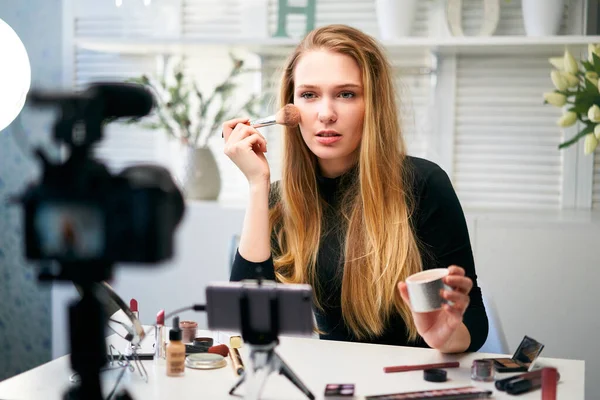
(437, 327)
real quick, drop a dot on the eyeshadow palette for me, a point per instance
(527, 352)
(342, 391)
(467, 392)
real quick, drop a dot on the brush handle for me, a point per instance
(259, 123)
(267, 121)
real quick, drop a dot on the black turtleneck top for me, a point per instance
(441, 230)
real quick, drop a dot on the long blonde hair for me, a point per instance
(380, 247)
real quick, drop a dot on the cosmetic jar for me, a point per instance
(203, 342)
(435, 375)
(482, 370)
(205, 361)
(188, 328)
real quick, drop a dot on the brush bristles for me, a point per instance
(288, 115)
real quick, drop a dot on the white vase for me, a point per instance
(542, 17)
(395, 18)
(489, 18)
(195, 170)
(255, 23)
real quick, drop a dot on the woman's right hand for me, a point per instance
(245, 146)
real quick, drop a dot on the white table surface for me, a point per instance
(316, 362)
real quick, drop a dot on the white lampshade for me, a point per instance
(15, 75)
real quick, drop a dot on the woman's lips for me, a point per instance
(328, 139)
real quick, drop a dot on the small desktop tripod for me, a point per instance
(264, 359)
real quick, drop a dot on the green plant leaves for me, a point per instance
(180, 100)
(596, 63)
(588, 66)
(587, 130)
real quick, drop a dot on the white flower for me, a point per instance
(593, 48)
(594, 114)
(571, 79)
(570, 63)
(597, 131)
(558, 63)
(568, 118)
(558, 80)
(590, 144)
(556, 99)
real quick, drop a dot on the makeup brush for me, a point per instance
(289, 115)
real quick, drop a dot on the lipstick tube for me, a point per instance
(159, 336)
(524, 384)
(236, 361)
(133, 306)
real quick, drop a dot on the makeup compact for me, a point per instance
(205, 361)
(524, 356)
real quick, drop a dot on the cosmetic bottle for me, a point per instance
(175, 351)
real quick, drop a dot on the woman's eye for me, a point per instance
(307, 95)
(347, 95)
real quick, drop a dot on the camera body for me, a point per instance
(82, 214)
(123, 218)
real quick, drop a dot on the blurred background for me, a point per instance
(471, 78)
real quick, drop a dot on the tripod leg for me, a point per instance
(288, 373)
(256, 383)
(237, 384)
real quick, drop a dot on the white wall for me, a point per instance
(541, 271)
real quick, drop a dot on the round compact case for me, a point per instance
(205, 361)
(435, 375)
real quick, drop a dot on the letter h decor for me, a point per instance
(285, 9)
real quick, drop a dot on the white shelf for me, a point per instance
(493, 45)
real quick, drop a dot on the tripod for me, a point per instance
(87, 320)
(264, 359)
(88, 347)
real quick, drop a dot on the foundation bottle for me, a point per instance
(175, 351)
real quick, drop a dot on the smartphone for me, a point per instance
(294, 306)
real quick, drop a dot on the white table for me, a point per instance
(316, 363)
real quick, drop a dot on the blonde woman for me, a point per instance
(353, 215)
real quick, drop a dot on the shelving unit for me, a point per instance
(492, 45)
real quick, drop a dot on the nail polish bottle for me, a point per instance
(175, 351)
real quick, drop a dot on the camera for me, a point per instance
(80, 213)
(85, 219)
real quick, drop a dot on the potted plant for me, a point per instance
(190, 119)
(576, 89)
